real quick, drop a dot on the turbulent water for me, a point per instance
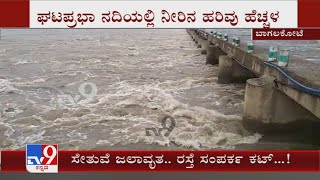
(89, 89)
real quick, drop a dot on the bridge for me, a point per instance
(274, 96)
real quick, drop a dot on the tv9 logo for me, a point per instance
(69, 100)
(42, 158)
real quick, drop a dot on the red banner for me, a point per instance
(308, 16)
(173, 161)
(14, 14)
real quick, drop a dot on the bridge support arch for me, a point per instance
(213, 54)
(231, 71)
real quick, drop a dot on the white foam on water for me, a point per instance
(144, 87)
(103, 142)
(24, 62)
(40, 80)
(151, 96)
(32, 138)
(3, 52)
(8, 129)
(7, 86)
(24, 82)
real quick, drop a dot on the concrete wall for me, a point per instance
(269, 105)
(267, 109)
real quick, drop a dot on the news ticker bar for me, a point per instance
(159, 14)
(172, 161)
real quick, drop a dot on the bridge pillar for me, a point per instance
(193, 35)
(225, 69)
(213, 54)
(199, 41)
(231, 71)
(196, 39)
(266, 109)
(204, 46)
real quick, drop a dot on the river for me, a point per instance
(101, 89)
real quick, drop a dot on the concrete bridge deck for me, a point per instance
(300, 80)
(306, 72)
